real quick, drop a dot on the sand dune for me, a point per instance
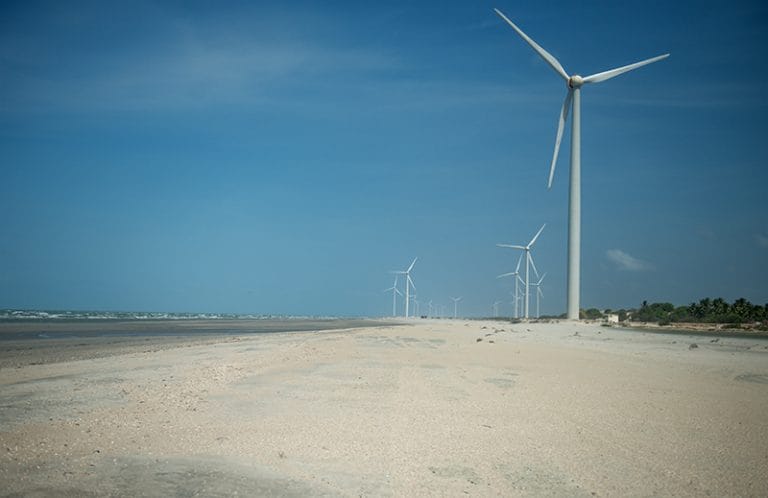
(436, 408)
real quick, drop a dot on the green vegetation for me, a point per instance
(740, 312)
(705, 311)
(591, 314)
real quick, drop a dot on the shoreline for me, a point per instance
(54, 341)
(109, 326)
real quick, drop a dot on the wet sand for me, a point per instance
(440, 408)
(37, 342)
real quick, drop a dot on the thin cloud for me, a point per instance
(168, 62)
(191, 76)
(627, 262)
(194, 66)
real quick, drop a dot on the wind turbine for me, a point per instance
(408, 284)
(395, 292)
(496, 309)
(539, 294)
(515, 274)
(573, 100)
(528, 262)
(430, 308)
(455, 303)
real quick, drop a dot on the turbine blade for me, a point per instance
(549, 58)
(606, 75)
(559, 138)
(542, 278)
(537, 235)
(530, 258)
(504, 275)
(411, 282)
(399, 293)
(411, 267)
(522, 248)
(519, 260)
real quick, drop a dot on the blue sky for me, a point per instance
(273, 157)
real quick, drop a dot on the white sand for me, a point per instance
(532, 409)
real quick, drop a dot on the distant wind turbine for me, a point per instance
(539, 293)
(573, 101)
(517, 299)
(515, 274)
(495, 307)
(528, 262)
(395, 292)
(455, 303)
(408, 284)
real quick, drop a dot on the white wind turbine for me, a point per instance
(517, 300)
(455, 304)
(573, 100)
(515, 274)
(528, 263)
(395, 292)
(539, 294)
(495, 307)
(408, 284)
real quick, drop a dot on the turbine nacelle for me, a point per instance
(575, 81)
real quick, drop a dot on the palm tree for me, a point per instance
(720, 307)
(742, 308)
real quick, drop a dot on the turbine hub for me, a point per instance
(575, 81)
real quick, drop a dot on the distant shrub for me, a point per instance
(591, 314)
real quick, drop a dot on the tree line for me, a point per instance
(706, 310)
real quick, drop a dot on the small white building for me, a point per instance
(611, 317)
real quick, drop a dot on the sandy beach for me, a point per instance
(433, 408)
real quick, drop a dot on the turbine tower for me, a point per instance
(528, 263)
(395, 292)
(496, 309)
(573, 100)
(455, 303)
(408, 284)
